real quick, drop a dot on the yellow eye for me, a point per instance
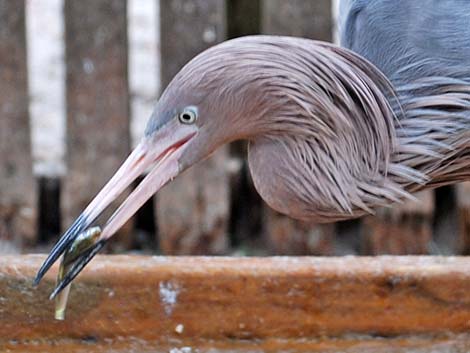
(188, 116)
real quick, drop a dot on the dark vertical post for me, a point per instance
(97, 96)
(309, 19)
(192, 211)
(299, 18)
(17, 187)
(463, 209)
(448, 233)
(243, 18)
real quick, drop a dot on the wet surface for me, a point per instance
(214, 304)
(345, 344)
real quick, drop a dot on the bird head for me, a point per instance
(241, 89)
(195, 114)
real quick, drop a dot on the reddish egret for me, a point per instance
(329, 137)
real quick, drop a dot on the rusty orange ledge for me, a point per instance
(220, 298)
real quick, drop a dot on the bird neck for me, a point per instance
(312, 169)
(323, 148)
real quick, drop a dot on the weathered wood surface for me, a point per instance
(349, 344)
(223, 299)
(193, 210)
(309, 19)
(17, 187)
(300, 18)
(403, 229)
(98, 137)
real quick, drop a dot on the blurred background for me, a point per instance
(78, 80)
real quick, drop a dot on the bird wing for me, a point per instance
(423, 47)
(433, 36)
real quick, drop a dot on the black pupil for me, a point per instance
(187, 116)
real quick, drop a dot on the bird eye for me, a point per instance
(188, 116)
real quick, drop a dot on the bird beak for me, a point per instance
(160, 153)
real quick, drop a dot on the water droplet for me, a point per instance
(88, 66)
(209, 35)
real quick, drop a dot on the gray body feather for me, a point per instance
(429, 37)
(423, 47)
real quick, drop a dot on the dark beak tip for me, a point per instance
(75, 229)
(54, 293)
(39, 276)
(79, 265)
(37, 280)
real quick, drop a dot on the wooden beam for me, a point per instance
(223, 299)
(350, 344)
(193, 210)
(18, 189)
(98, 137)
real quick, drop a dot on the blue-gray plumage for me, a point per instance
(330, 137)
(408, 39)
(423, 47)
